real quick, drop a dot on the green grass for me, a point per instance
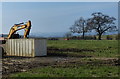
(82, 71)
(101, 48)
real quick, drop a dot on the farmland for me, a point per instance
(95, 48)
(72, 58)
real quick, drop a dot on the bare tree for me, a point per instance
(79, 27)
(101, 23)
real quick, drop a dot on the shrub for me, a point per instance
(109, 37)
(90, 38)
(117, 37)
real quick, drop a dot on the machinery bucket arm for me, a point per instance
(27, 29)
(17, 27)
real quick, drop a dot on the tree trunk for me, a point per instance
(83, 32)
(99, 38)
(83, 35)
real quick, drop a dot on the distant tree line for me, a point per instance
(99, 22)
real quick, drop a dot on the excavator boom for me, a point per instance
(17, 27)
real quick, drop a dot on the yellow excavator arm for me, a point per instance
(20, 26)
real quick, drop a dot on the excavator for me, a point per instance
(12, 34)
(17, 27)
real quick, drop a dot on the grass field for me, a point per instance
(82, 71)
(99, 50)
(96, 48)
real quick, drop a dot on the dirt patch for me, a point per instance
(52, 51)
(69, 49)
(20, 64)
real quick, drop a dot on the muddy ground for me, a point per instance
(12, 65)
(19, 64)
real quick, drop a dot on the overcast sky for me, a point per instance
(52, 16)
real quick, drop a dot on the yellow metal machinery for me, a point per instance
(12, 34)
(20, 26)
